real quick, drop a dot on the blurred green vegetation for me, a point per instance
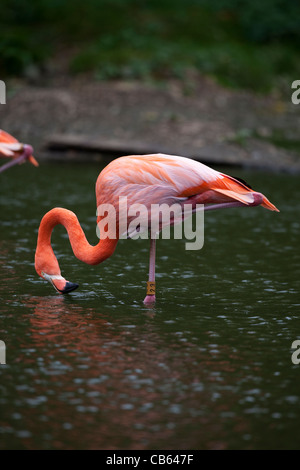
(247, 44)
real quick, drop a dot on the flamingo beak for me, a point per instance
(60, 284)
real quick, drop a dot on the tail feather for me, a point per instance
(9, 147)
(268, 205)
(245, 198)
(32, 160)
(239, 191)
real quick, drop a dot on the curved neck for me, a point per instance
(45, 258)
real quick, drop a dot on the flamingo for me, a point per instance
(146, 179)
(19, 153)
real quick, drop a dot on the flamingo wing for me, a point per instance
(8, 144)
(153, 178)
(7, 138)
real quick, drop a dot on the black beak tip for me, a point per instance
(69, 287)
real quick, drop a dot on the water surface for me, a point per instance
(209, 367)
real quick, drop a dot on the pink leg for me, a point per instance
(13, 162)
(150, 297)
(22, 158)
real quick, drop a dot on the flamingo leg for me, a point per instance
(225, 205)
(150, 297)
(14, 162)
(25, 155)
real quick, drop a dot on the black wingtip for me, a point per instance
(69, 287)
(243, 182)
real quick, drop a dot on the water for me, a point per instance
(209, 367)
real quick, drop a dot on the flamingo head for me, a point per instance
(45, 263)
(59, 283)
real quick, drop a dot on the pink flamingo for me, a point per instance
(12, 148)
(143, 179)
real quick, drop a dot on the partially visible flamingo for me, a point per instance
(12, 148)
(143, 179)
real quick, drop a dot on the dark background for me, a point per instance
(156, 39)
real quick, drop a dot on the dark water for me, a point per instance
(208, 368)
